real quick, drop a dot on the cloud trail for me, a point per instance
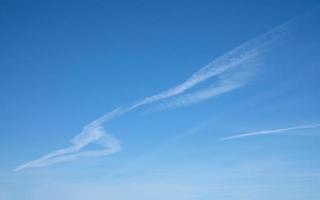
(198, 96)
(232, 59)
(94, 132)
(267, 132)
(91, 133)
(224, 83)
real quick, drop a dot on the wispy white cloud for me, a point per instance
(197, 96)
(91, 133)
(272, 131)
(224, 83)
(234, 59)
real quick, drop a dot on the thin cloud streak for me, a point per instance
(226, 82)
(234, 58)
(198, 96)
(95, 132)
(267, 132)
(91, 133)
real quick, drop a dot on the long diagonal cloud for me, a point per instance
(272, 131)
(94, 132)
(232, 59)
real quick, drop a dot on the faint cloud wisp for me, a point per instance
(226, 70)
(272, 131)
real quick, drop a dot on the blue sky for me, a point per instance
(184, 75)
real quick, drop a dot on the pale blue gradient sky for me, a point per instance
(64, 65)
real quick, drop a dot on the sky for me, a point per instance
(176, 100)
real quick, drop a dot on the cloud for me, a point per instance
(226, 82)
(267, 132)
(91, 133)
(232, 59)
(219, 68)
(201, 95)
